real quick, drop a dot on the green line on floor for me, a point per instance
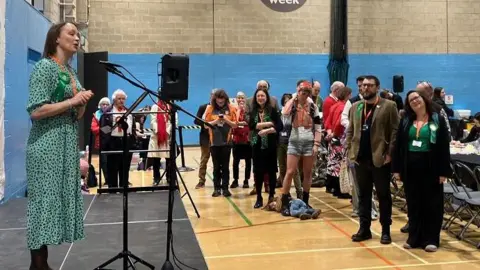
(234, 205)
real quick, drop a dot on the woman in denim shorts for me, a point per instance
(303, 142)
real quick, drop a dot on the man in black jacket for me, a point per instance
(204, 145)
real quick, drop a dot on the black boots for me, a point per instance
(285, 210)
(39, 259)
(364, 234)
(385, 238)
(305, 198)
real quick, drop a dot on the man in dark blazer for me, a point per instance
(370, 142)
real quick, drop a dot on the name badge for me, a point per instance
(240, 126)
(284, 134)
(417, 143)
(365, 127)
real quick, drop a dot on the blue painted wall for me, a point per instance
(25, 29)
(234, 72)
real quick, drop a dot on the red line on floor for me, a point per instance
(361, 244)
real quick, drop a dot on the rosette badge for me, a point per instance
(284, 5)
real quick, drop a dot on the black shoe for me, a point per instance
(362, 235)
(216, 193)
(386, 239)
(234, 184)
(226, 193)
(245, 184)
(405, 228)
(259, 203)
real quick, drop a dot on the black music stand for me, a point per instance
(171, 170)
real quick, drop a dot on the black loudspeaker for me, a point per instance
(175, 69)
(398, 83)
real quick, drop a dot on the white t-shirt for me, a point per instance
(118, 131)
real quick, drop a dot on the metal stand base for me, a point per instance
(126, 255)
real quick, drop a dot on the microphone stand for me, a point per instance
(171, 170)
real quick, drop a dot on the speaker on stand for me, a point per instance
(398, 84)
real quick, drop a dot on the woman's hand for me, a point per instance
(442, 179)
(263, 132)
(315, 150)
(396, 176)
(81, 98)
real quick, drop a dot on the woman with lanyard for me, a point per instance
(422, 161)
(56, 102)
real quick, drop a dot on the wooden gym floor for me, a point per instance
(233, 235)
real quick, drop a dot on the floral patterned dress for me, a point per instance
(55, 202)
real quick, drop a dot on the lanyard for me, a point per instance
(420, 126)
(72, 80)
(370, 111)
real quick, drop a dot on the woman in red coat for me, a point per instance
(103, 104)
(335, 137)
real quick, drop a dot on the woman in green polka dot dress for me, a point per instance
(55, 104)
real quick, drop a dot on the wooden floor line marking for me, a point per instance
(411, 265)
(378, 255)
(232, 203)
(377, 234)
(287, 252)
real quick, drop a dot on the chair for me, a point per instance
(465, 196)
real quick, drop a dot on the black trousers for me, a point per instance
(424, 195)
(156, 168)
(115, 168)
(367, 176)
(242, 151)
(221, 162)
(104, 168)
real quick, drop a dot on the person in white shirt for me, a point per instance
(112, 139)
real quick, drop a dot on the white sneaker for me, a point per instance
(407, 246)
(374, 215)
(431, 248)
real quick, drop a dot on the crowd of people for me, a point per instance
(369, 138)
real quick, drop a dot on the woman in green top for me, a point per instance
(422, 161)
(55, 104)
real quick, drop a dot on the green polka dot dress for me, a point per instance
(55, 202)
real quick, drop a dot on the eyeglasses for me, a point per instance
(415, 99)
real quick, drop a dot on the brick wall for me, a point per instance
(198, 26)
(52, 10)
(414, 26)
(247, 26)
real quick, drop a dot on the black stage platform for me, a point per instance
(103, 228)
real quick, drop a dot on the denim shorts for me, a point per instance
(300, 142)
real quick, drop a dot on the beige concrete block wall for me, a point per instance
(52, 10)
(247, 26)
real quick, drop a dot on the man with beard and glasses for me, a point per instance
(370, 142)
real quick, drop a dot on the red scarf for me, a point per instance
(162, 135)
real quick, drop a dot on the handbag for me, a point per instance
(344, 179)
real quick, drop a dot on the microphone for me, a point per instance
(108, 63)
